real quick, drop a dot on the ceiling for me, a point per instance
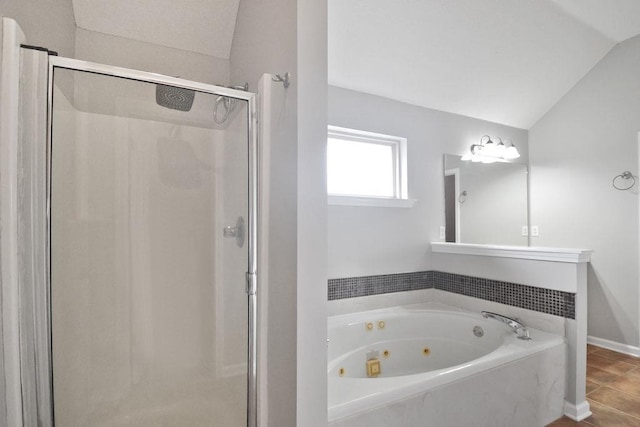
(506, 61)
(616, 19)
(201, 26)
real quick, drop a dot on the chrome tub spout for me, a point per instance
(520, 329)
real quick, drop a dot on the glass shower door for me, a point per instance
(149, 314)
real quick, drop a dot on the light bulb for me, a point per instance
(489, 148)
(511, 153)
(488, 160)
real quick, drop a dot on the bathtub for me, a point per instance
(429, 356)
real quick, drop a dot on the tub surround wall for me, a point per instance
(550, 280)
(350, 287)
(533, 298)
(559, 269)
(548, 268)
(534, 319)
(540, 299)
(375, 302)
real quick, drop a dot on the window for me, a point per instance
(366, 168)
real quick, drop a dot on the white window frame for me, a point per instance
(399, 148)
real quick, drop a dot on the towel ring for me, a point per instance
(626, 175)
(462, 197)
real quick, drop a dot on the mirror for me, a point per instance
(485, 203)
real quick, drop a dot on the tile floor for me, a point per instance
(613, 390)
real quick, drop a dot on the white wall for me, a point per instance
(277, 37)
(312, 214)
(46, 23)
(366, 240)
(576, 149)
(265, 42)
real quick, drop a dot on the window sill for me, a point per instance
(380, 202)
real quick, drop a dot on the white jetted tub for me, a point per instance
(423, 350)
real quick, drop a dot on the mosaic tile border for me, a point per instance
(548, 301)
(352, 287)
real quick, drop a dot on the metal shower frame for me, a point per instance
(252, 221)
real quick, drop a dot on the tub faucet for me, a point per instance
(520, 329)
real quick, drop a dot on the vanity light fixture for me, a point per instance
(491, 151)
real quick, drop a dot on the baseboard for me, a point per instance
(615, 346)
(577, 412)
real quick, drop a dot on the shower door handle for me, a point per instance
(236, 231)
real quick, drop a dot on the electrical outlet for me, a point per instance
(443, 232)
(535, 231)
(525, 230)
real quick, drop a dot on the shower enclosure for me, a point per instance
(143, 300)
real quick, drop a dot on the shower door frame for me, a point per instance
(44, 355)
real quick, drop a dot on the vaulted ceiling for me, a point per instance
(507, 61)
(616, 19)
